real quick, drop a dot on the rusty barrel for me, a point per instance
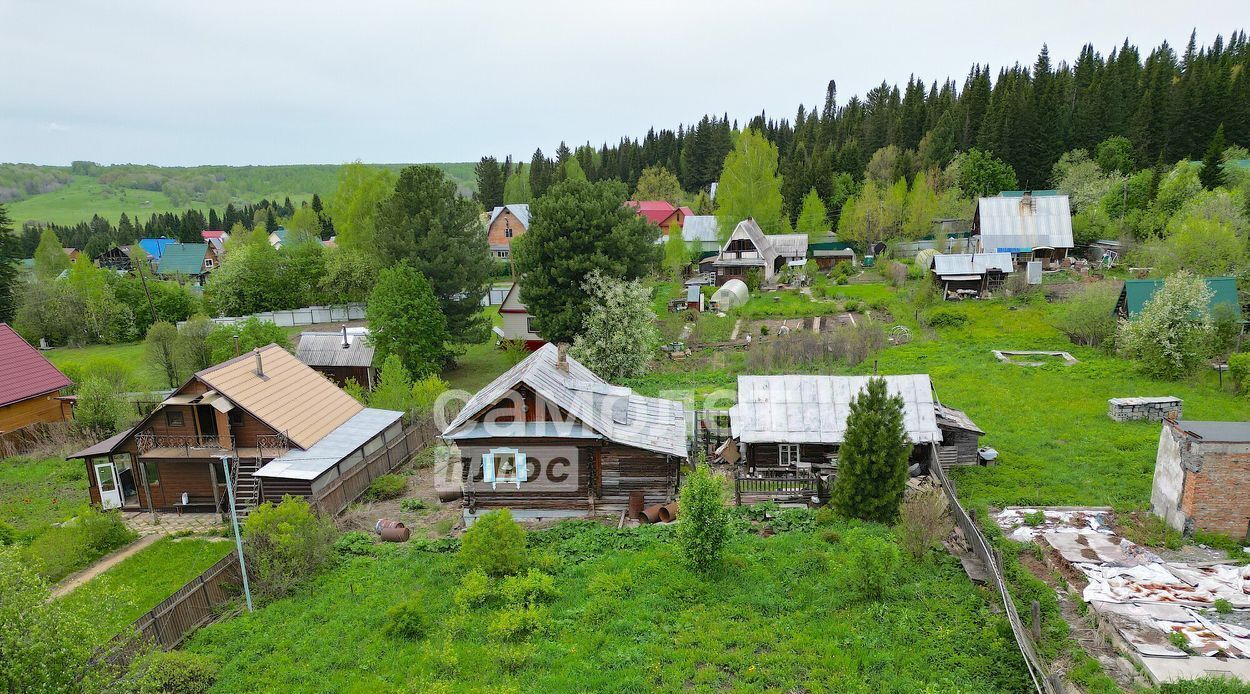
(636, 502)
(651, 514)
(384, 523)
(395, 534)
(668, 512)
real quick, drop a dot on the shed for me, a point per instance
(694, 298)
(29, 386)
(1136, 293)
(973, 274)
(342, 355)
(1031, 225)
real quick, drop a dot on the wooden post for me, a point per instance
(1056, 683)
(212, 470)
(1037, 621)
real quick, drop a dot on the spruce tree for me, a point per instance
(9, 255)
(490, 183)
(1212, 173)
(872, 461)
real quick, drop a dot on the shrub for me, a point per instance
(1171, 336)
(8, 534)
(1226, 327)
(356, 543)
(701, 529)
(285, 544)
(100, 410)
(495, 544)
(1223, 606)
(68, 547)
(407, 620)
(474, 590)
(924, 522)
(945, 318)
(897, 273)
(385, 487)
(853, 306)
(842, 279)
(160, 671)
(1087, 317)
(516, 622)
(531, 588)
(1034, 518)
(871, 562)
(1239, 370)
(412, 505)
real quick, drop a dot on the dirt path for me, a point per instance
(71, 582)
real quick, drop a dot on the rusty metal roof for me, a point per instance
(1022, 223)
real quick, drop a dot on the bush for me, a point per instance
(407, 620)
(516, 622)
(412, 505)
(474, 590)
(1239, 370)
(1171, 337)
(1223, 606)
(532, 588)
(66, 548)
(897, 273)
(385, 487)
(285, 544)
(355, 543)
(842, 280)
(8, 534)
(701, 529)
(871, 562)
(182, 672)
(923, 522)
(1087, 317)
(495, 544)
(945, 318)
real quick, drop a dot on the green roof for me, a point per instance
(1137, 292)
(182, 259)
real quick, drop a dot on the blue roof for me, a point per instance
(155, 248)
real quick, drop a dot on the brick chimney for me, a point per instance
(562, 357)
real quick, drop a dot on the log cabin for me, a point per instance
(550, 439)
(30, 388)
(281, 427)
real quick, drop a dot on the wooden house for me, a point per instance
(518, 324)
(29, 389)
(281, 427)
(187, 261)
(661, 213)
(506, 223)
(749, 248)
(116, 258)
(1136, 293)
(971, 274)
(549, 438)
(342, 355)
(1029, 224)
(787, 425)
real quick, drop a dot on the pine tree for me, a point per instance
(9, 256)
(1212, 173)
(872, 460)
(490, 183)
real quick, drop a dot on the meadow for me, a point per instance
(37, 492)
(630, 616)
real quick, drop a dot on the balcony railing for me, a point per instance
(277, 443)
(149, 441)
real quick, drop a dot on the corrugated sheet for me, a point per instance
(971, 263)
(326, 348)
(182, 259)
(702, 228)
(1137, 292)
(617, 414)
(519, 210)
(343, 441)
(813, 409)
(291, 397)
(154, 247)
(24, 372)
(789, 245)
(1022, 224)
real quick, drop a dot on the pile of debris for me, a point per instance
(1180, 620)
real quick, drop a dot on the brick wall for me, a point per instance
(496, 235)
(1216, 497)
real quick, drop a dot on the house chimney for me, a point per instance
(345, 344)
(562, 357)
(260, 367)
(236, 345)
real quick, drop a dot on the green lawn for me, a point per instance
(128, 359)
(137, 584)
(777, 616)
(35, 493)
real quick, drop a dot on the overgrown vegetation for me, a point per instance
(285, 544)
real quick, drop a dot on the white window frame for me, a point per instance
(490, 472)
(788, 453)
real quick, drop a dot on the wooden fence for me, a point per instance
(755, 489)
(201, 601)
(993, 560)
(348, 488)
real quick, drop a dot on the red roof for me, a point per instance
(655, 211)
(24, 372)
(212, 234)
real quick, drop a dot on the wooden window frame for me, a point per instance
(171, 414)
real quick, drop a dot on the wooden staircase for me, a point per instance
(246, 486)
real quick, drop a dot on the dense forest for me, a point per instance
(1168, 105)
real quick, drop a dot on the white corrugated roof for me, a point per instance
(1024, 222)
(326, 348)
(615, 413)
(520, 210)
(333, 447)
(702, 228)
(971, 263)
(813, 409)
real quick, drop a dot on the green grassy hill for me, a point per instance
(68, 195)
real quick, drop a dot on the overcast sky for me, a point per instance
(284, 82)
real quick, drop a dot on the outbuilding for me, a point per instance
(1202, 477)
(342, 355)
(971, 274)
(1028, 224)
(29, 390)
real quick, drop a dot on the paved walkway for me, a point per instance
(170, 523)
(72, 581)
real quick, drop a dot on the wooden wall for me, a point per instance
(628, 469)
(42, 408)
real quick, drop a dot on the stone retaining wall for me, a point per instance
(1153, 409)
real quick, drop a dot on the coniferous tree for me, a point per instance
(1212, 173)
(490, 183)
(10, 248)
(872, 460)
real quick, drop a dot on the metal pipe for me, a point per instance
(238, 538)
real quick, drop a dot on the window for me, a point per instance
(529, 325)
(153, 474)
(208, 262)
(173, 418)
(235, 417)
(507, 233)
(788, 453)
(504, 465)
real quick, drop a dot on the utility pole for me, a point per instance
(234, 521)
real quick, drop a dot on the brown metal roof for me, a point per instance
(291, 397)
